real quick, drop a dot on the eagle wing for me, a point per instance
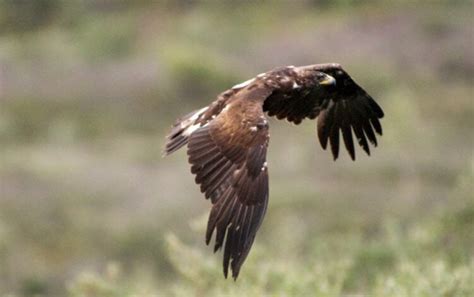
(344, 107)
(228, 140)
(228, 157)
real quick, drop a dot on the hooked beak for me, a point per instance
(328, 81)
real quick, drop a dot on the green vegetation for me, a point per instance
(88, 89)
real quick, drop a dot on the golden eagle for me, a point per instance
(227, 142)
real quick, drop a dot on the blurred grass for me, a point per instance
(88, 90)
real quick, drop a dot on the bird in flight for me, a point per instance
(227, 142)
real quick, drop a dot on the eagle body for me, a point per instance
(227, 142)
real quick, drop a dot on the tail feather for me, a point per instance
(181, 130)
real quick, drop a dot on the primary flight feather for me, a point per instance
(227, 142)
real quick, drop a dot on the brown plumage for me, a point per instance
(227, 142)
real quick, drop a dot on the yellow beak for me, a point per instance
(328, 81)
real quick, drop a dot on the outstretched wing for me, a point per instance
(344, 107)
(228, 158)
(294, 105)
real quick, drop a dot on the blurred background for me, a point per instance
(88, 90)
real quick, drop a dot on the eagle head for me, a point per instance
(313, 75)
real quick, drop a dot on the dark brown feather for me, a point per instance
(338, 108)
(227, 142)
(228, 158)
